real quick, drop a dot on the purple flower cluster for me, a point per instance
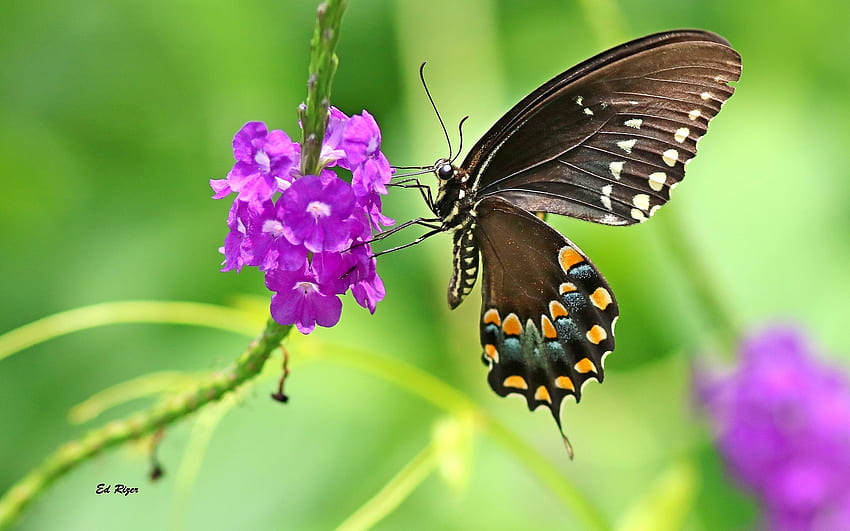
(783, 422)
(307, 233)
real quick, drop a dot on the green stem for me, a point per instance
(323, 63)
(394, 492)
(85, 317)
(703, 285)
(446, 397)
(73, 453)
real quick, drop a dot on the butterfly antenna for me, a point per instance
(567, 444)
(460, 133)
(434, 105)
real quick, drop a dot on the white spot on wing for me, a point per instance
(694, 114)
(634, 123)
(627, 145)
(641, 201)
(606, 196)
(587, 111)
(657, 180)
(578, 100)
(615, 168)
(611, 219)
(670, 157)
(638, 215)
(681, 134)
(705, 96)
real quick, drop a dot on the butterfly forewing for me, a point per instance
(608, 139)
(547, 314)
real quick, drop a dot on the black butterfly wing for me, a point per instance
(606, 140)
(547, 314)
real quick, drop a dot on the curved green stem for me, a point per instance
(442, 395)
(394, 492)
(189, 313)
(73, 453)
(702, 283)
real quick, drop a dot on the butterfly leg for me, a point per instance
(420, 239)
(424, 222)
(424, 189)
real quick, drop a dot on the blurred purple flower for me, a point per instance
(308, 233)
(783, 427)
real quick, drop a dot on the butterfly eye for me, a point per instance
(445, 172)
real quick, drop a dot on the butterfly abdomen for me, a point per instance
(464, 264)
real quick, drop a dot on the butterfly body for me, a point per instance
(605, 142)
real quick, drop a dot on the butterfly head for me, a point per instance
(444, 170)
(455, 196)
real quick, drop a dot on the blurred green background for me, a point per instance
(114, 115)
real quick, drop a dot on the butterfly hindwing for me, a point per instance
(547, 315)
(607, 140)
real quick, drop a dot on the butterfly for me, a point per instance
(606, 141)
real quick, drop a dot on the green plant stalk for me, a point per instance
(394, 492)
(703, 284)
(167, 312)
(442, 395)
(73, 453)
(323, 64)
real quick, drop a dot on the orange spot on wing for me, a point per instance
(585, 365)
(491, 352)
(596, 334)
(556, 309)
(542, 394)
(568, 287)
(549, 331)
(511, 325)
(492, 316)
(569, 257)
(564, 382)
(601, 298)
(517, 382)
